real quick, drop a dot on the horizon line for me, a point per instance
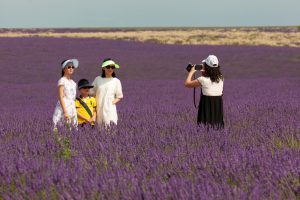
(156, 27)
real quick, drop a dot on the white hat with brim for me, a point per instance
(211, 61)
(74, 61)
(110, 62)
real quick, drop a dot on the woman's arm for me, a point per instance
(118, 94)
(61, 101)
(116, 100)
(189, 83)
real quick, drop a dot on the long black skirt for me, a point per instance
(210, 111)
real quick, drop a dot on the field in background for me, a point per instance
(270, 36)
(157, 151)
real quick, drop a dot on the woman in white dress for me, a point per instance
(108, 92)
(65, 111)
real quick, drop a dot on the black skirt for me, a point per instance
(210, 111)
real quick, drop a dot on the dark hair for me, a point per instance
(103, 71)
(62, 71)
(103, 74)
(214, 73)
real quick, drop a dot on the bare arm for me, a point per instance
(189, 83)
(61, 101)
(94, 115)
(119, 93)
(116, 100)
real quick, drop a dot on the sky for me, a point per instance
(151, 13)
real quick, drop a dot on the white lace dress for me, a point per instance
(69, 100)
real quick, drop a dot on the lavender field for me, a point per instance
(157, 151)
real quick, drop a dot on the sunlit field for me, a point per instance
(274, 36)
(157, 151)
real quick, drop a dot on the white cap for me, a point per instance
(74, 61)
(211, 61)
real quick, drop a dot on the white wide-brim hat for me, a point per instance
(211, 61)
(74, 61)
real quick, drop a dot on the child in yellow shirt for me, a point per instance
(85, 104)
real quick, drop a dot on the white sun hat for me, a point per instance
(110, 62)
(74, 61)
(211, 61)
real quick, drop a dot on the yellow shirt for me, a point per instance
(90, 102)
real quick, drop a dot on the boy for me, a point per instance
(85, 104)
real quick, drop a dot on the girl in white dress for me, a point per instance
(108, 92)
(65, 110)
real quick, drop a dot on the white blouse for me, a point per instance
(210, 88)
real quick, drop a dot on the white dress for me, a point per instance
(106, 90)
(69, 100)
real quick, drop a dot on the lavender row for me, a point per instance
(157, 151)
